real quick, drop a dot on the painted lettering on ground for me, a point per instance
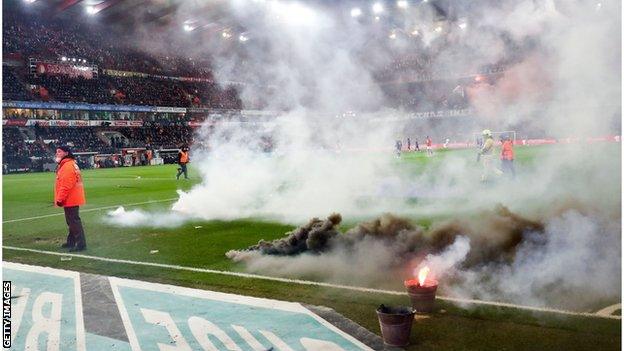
(46, 308)
(166, 318)
(47, 314)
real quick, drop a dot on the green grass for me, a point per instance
(450, 328)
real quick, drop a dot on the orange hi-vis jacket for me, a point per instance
(68, 189)
(507, 150)
(184, 158)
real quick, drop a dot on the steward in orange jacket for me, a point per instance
(507, 157)
(68, 189)
(183, 159)
(69, 194)
(507, 152)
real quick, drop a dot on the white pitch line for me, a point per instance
(140, 179)
(313, 283)
(88, 210)
(607, 311)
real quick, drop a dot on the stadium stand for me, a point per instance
(12, 87)
(145, 91)
(41, 38)
(124, 75)
(157, 136)
(82, 139)
(17, 153)
(127, 75)
(33, 35)
(20, 149)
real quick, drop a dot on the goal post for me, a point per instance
(477, 137)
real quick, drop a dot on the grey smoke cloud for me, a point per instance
(562, 79)
(570, 261)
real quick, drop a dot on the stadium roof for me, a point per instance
(132, 12)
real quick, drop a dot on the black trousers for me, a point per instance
(181, 170)
(76, 236)
(508, 167)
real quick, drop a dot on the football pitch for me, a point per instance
(193, 255)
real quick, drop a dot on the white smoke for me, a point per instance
(310, 170)
(313, 63)
(448, 260)
(574, 264)
(139, 218)
(322, 163)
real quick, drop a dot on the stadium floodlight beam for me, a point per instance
(243, 38)
(377, 8)
(356, 12)
(293, 13)
(63, 58)
(91, 10)
(188, 28)
(463, 25)
(29, 1)
(402, 4)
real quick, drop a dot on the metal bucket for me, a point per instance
(422, 297)
(395, 324)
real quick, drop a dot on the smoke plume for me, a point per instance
(564, 260)
(139, 218)
(555, 237)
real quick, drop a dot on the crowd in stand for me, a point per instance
(20, 149)
(119, 90)
(33, 36)
(414, 66)
(36, 36)
(19, 153)
(148, 118)
(428, 96)
(12, 88)
(80, 139)
(64, 89)
(157, 136)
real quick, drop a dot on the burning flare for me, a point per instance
(422, 275)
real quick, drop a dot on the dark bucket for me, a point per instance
(396, 324)
(422, 297)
